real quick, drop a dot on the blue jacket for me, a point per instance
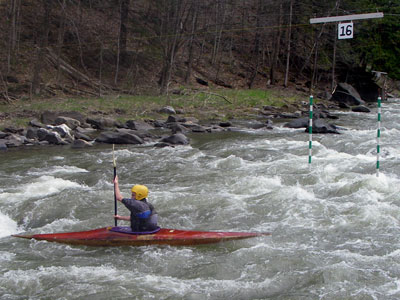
(143, 216)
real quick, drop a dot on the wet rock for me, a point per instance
(50, 137)
(82, 136)
(63, 130)
(3, 146)
(112, 137)
(225, 124)
(79, 144)
(176, 127)
(347, 94)
(320, 126)
(14, 140)
(176, 139)
(361, 108)
(297, 123)
(195, 127)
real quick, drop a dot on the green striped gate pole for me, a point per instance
(378, 136)
(310, 131)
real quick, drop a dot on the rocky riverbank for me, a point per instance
(74, 129)
(77, 131)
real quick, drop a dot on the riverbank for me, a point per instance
(218, 104)
(82, 122)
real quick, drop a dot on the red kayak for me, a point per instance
(121, 236)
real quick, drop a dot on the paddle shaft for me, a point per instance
(115, 195)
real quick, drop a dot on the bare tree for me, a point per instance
(13, 19)
(288, 44)
(174, 18)
(43, 41)
(276, 46)
(122, 35)
(256, 51)
(60, 40)
(195, 12)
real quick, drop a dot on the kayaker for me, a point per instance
(143, 216)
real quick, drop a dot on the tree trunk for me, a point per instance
(122, 36)
(190, 46)
(13, 17)
(288, 44)
(60, 42)
(276, 48)
(256, 50)
(43, 41)
(173, 27)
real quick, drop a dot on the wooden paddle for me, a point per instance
(115, 196)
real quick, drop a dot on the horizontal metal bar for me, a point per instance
(346, 18)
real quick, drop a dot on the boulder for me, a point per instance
(361, 108)
(225, 124)
(177, 127)
(3, 146)
(63, 130)
(14, 140)
(297, 123)
(31, 133)
(168, 110)
(172, 119)
(82, 136)
(101, 123)
(320, 126)
(176, 139)
(70, 122)
(112, 137)
(3, 134)
(36, 123)
(346, 93)
(79, 144)
(138, 125)
(50, 137)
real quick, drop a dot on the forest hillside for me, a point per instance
(96, 47)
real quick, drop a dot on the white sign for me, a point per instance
(345, 30)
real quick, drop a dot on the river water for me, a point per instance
(335, 225)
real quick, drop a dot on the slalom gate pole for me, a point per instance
(378, 137)
(310, 131)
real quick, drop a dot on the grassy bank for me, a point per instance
(203, 104)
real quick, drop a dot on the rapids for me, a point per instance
(335, 224)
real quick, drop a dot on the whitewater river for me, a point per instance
(335, 226)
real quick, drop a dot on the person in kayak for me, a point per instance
(143, 216)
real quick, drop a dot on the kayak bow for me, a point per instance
(108, 237)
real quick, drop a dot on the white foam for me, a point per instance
(40, 187)
(57, 170)
(7, 226)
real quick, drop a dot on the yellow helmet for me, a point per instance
(141, 191)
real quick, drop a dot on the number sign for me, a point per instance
(345, 30)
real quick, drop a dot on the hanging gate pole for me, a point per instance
(310, 131)
(378, 137)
